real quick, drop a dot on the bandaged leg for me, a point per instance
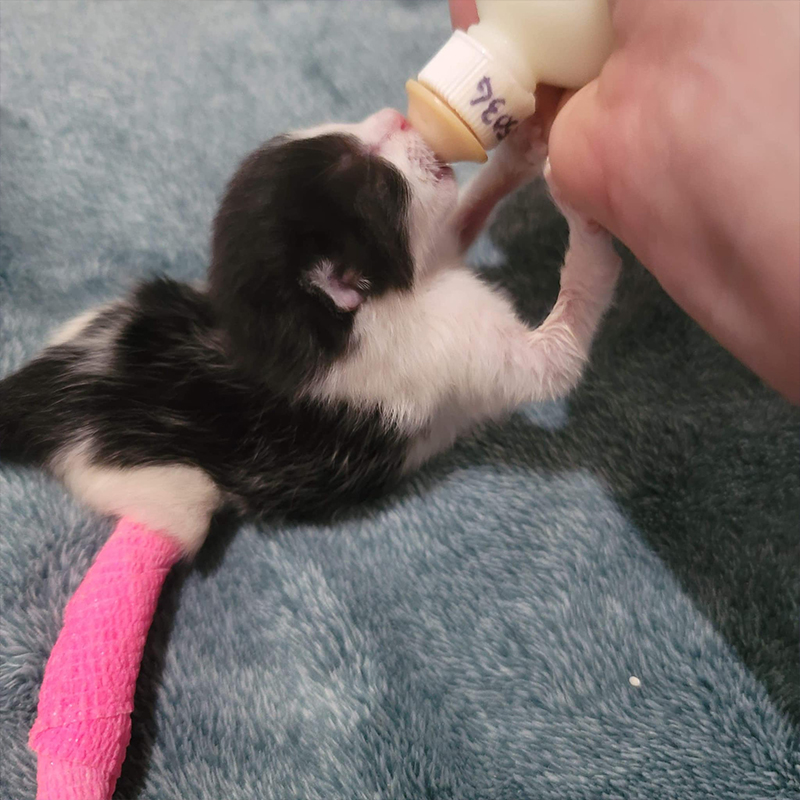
(83, 725)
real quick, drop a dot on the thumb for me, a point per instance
(578, 157)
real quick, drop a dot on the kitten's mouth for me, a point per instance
(431, 163)
(419, 151)
(441, 170)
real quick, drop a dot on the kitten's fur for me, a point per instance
(340, 340)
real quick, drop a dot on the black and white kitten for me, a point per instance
(339, 343)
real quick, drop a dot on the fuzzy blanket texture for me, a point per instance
(472, 634)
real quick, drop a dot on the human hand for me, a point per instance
(687, 148)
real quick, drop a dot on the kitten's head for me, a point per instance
(315, 224)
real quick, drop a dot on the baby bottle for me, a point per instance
(480, 85)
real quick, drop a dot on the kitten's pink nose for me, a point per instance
(390, 120)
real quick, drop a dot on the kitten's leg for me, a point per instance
(495, 362)
(517, 161)
(551, 359)
(512, 364)
(175, 498)
(83, 724)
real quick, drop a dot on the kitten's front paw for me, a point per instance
(525, 149)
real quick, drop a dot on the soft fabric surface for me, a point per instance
(472, 634)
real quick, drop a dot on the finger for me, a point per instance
(463, 13)
(577, 157)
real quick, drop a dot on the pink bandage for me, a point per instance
(83, 726)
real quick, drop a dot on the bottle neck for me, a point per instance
(478, 87)
(506, 50)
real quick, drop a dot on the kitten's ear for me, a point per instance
(345, 287)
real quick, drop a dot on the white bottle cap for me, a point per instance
(478, 88)
(444, 131)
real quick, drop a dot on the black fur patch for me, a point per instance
(291, 204)
(171, 395)
(214, 380)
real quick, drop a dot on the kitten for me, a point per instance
(340, 341)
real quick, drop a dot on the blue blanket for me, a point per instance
(476, 633)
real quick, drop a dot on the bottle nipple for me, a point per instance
(465, 101)
(444, 131)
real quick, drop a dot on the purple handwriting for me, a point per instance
(501, 124)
